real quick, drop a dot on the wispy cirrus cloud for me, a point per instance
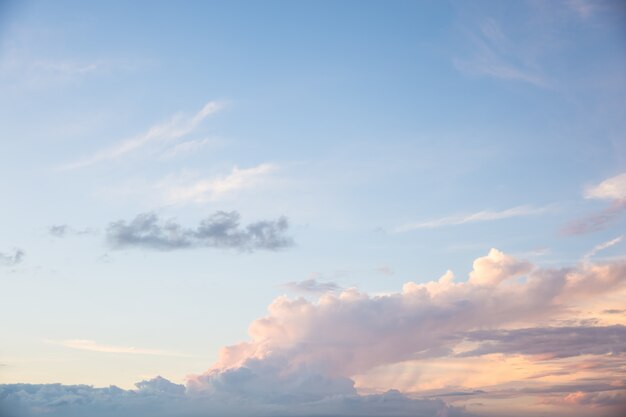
(612, 189)
(481, 216)
(601, 247)
(177, 127)
(92, 346)
(176, 190)
(495, 55)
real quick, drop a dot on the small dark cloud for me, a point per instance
(312, 286)
(11, 259)
(63, 230)
(614, 311)
(220, 230)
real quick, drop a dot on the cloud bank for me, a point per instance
(304, 357)
(221, 230)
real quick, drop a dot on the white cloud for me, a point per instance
(613, 188)
(178, 126)
(481, 216)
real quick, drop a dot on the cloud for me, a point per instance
(550, 343)
(8, 259)
(303, 356)
(220, 230)
(63, 230)
(185, 147)
(601, 247)
(182, 190)
(312, 286)
(612, 189)
(177, 127)
(352, 333)
(92, 346)
(481, 216)
(159, 397)
(495, 55)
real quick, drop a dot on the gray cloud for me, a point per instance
(551, 342)
(11, 259)
(220, 230)
(312, 286)
(161, 398)
(63, 230)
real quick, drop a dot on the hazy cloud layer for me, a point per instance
(551, 342)
(11, 259)
(220, 230)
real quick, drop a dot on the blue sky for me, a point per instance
(399, 140)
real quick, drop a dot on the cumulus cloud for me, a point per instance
(312, 286)
(220, 230)
(352, 332)
(303, 357)
(11, 259)
(177, 127)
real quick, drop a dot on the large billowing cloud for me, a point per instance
(352, 332)
(220, 230)
(304, 356)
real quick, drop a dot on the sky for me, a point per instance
(313, 208)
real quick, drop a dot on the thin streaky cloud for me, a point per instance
(90, 345)
(185, 147)
(601, 247)
(481, 216)
(495, 55)
(202, 190)
(178, 126)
